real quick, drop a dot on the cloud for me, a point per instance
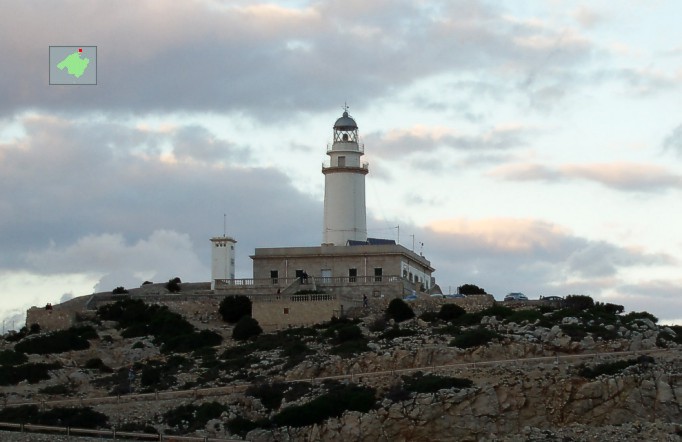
(420, 139)
(622, 176)
(533, 256)
(163, 255)
(673, 142)
(72, 180)
(261, 59)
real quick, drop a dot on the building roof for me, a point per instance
(346, 122)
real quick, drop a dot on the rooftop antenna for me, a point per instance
(345, 106)
(224, 225)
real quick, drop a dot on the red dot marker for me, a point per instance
(80, 49)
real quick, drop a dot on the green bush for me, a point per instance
(97, 364)
(59, 389)
(173, 285)
(498, 311)
(241, 426)
(234, 307)
(332, 404)
(348, 333)
(350, 348)
(191, 341)
(611, 368)
(79, 417)
(633, 316)
(578, 302)
(378, 325)
(399, 311)
(119, 291)
(530, 315)
(397, 332)
(74, 338)
(474, 338)
(449, 312)
(270, 395)
(191, 417)
(430, 383)
(246, 328)
(11, 358)
(470, 289)
(429, 316)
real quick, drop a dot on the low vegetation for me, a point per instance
(611, 368)
(74, 338)
(399, 311)
(77, 417)
(235, 307)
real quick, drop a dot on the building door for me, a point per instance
(378, 273)
(352, 275)
(326, 275)
(274, 275)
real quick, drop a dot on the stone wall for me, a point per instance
(50, 320)
(286, 311)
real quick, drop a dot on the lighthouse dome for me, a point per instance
(345, 123)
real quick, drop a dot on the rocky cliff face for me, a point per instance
(550, 376)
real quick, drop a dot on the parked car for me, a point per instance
(410, 298)
(455, 296)
(438, 295)
(551, 298)
(516, 297)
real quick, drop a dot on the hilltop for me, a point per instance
(574, 370)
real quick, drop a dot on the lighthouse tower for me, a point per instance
(344, 186)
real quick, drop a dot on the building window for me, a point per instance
(352, 275)
(405, 273)
(232, 261)
(410, 278)
(274, 275)
(286, 310)
(378, 273)
(231, 247)
(342, 161)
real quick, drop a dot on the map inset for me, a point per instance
(73, 65)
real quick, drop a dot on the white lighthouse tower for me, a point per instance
(222, 258)
(344, 186)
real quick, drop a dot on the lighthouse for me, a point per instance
(344, 185)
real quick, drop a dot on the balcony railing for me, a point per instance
(319, 281)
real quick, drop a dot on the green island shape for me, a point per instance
(74, 64)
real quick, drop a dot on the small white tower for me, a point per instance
(222, 258)
(344, 186)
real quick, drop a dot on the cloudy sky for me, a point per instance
(533, 148)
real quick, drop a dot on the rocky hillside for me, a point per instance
(571, 371)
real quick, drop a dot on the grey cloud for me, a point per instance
(67, 181)
(199, 143)
(547, 261)
(255, 59)
(673, 141)
(629, 177)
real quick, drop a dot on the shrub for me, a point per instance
(241, 426)
(530, 315)
(74, 338)
(97, 364)
(331, 404)
(59, 389)
(578, 302)
(611, 368)
(191, 341)
(146, 283)
(80, 417)
(470, 289)
(119, 291)
(399, 311)
(430, 383)
(11, 357)
(397, 393)
(498, 311)
(379, 324)
(633, 316)
(270, 395)
(348, 333)
(448, 312)
(397, 332)
(474, 338)
(192, 417)
(173, 285)
(349, 348)
(234, 307)
(246, 328)
(429, 316)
